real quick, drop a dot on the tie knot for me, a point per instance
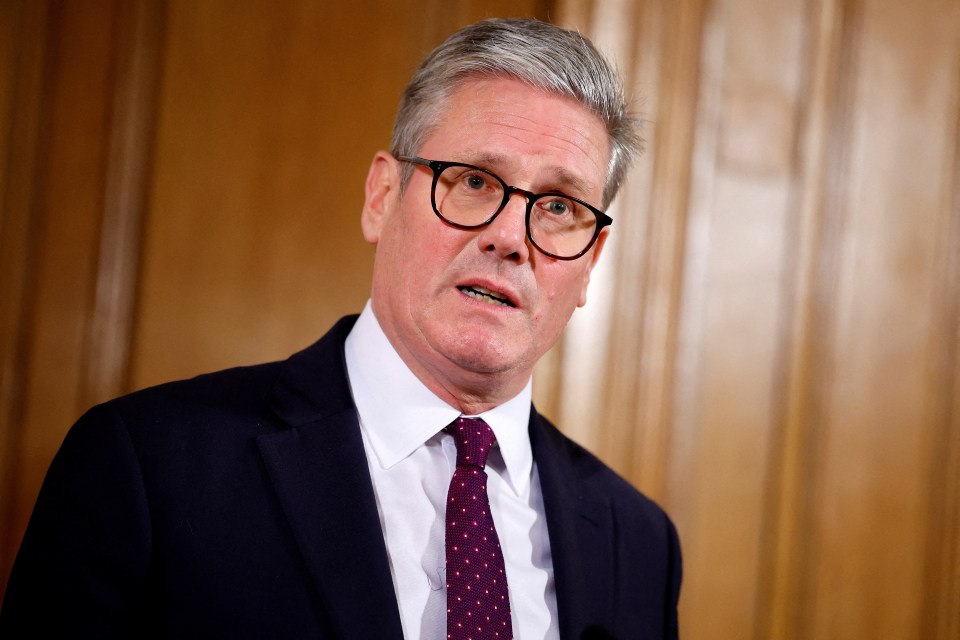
(474, 439)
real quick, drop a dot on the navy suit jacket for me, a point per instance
(239, 504)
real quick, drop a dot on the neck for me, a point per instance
(469, 392)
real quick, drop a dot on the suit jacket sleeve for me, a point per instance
(87, 548)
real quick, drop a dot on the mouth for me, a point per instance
(486, 295)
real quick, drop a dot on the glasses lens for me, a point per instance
(561, 226)
(468, 196)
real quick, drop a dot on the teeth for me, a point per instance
(485, 295)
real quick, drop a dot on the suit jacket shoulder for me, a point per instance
(208, 508)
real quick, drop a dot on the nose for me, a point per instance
(506, 236)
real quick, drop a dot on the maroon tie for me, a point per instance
(478, 606)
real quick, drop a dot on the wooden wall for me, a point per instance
(771, 344)
(777, 355)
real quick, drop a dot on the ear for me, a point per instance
(381, 189)
(592, 257)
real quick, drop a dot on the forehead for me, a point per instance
(524, 133)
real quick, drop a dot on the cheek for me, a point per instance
(409, 238)
(561, 286)
(559, 294)
(425, 251)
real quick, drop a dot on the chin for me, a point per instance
(482, 355)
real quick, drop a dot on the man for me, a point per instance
(345, 492)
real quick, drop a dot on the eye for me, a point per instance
(475, 181)
(557, 207)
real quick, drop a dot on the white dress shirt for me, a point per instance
(411, 462)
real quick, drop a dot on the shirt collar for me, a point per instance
(398, 413)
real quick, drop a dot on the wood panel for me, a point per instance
(739, 224)
(942, 586)
(138, 35)
(885, 347)
(780, 359)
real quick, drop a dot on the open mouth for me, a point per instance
(485, 295)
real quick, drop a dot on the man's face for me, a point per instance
(425, 270)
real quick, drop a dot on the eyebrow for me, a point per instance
(559, 175)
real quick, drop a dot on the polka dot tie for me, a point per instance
(478, 606)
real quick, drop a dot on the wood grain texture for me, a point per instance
(138, 37)
(794, 406)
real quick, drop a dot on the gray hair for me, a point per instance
(546, 57)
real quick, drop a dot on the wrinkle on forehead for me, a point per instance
(566, 136)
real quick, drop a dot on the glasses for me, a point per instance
(468, 197)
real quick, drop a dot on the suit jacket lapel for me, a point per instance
(319, 472)
(579, 521)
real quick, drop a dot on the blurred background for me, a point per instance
(771, 345)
